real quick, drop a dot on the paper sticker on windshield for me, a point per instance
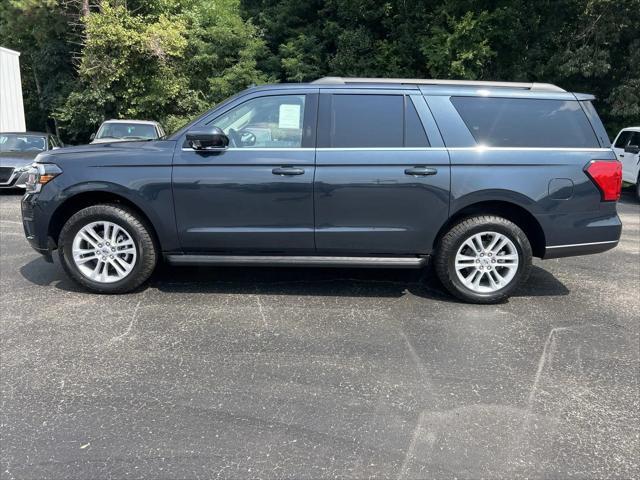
(289, 116)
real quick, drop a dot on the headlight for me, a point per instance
(40, 174)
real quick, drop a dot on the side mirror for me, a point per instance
(92, 137)
(207, 138)
(632, 149)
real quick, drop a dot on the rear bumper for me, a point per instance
(581, 234)
(558, 251)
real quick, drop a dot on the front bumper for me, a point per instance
(35, 227)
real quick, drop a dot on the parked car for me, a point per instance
(477, 176)
(627, 145)
(18, 150)
(127, 130)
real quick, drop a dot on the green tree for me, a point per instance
(168, 61)
(582, 45)
(43, 32)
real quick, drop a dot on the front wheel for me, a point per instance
(107, 249)
(483, 259)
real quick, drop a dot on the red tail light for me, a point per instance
(607, 175)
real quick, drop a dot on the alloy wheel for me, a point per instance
(104, 252)
(486, 262)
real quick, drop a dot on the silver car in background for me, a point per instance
(127, 130)
(18, 150)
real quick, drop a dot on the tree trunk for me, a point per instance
(39, 92)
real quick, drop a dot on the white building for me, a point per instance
(11, 106)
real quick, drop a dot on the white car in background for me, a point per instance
(127, 130)
(627, 145)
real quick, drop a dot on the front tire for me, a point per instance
(107, 249)
(483, 259)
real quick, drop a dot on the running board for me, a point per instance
(297, 261)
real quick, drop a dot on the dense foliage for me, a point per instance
(84, 61)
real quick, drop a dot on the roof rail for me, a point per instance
(540, 87)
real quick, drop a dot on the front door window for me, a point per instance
(265, 122)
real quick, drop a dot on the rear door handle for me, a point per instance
(287, 171)
(420, 171)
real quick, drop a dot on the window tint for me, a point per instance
(366, 121)
(623, 139)
(414, 135)
(635, 139)
(516, 122)
(266, 122)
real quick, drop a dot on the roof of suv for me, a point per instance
(435, 87)
(538, 87)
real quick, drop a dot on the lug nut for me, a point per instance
(110, 256)
(104, 258)
(100, 245)
(493, 261)
(113, 250)
(482, 254)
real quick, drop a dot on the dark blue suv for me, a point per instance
(478, 176)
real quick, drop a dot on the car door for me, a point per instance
(630, 161)
(619, 144)
(382, 182)
(257, 195)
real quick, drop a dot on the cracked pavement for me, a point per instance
(319, 373)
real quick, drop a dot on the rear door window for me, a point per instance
(370, 121)
(366, 121)
(518, 122)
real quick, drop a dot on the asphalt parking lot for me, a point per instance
(319, 373)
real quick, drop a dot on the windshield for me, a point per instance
(127, 130)
(22, 143)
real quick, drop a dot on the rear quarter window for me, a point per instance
(518, 122)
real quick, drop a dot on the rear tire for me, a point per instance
(474, 268)
(107, 249)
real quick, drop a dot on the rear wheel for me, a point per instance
(483, 259)
(107, 249)
(638, 188)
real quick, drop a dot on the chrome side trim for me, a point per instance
(417, 149)
(251, 149)
(529, 149)
(297, 261)
(381, 149)
(581, 244)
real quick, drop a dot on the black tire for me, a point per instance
(638, 188)
(146, 255)
(452, 240)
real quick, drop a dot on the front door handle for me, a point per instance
(420, 171)
(287, 171)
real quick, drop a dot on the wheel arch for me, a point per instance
(513, 212)
(89, 197)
